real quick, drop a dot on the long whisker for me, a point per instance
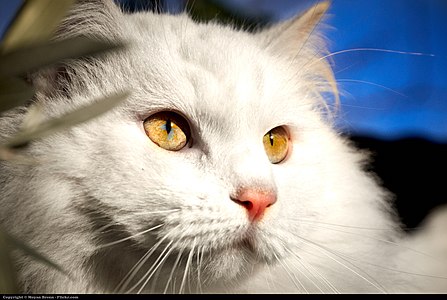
(185, 273)
(161, 258)
(344, 225)
(174, 267)
(130, 237)
(292, 277)
(323, 278)
(157, 274)
(199, 266)
(156, 212)
(390, 269)
(380, 240)
(372, 50)
(131, 274)
(373, 84)
(299, 260)
(135, 269)
(153, 265)
(327, 251)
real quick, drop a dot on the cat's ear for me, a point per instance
(96, 19)
(91, 18)
(289, 36)
(297, 40)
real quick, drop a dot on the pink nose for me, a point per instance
(256, 202)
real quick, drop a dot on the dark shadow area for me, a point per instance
(414, 170)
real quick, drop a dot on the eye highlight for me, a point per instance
(276, 144)
(168, 130)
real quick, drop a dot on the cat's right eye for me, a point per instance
(168, 130)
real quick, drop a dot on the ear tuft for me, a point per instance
(298, 41)
(290, 36)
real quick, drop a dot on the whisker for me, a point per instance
(298, 259)
(190, 269)
(269, 279)
(199, 265)
(185, 273)
(137, 267)
(161, 258)
(130, 237)
(301, 261)
(293, 278)
(344, 225)
(172, 271)
(323, 278)
(372, 50)
(373, 84)
(155, 212)
(380, 240)
(329, 284)
(391, 269)
(372, 282)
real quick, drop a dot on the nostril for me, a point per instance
(255, 202)
(247, 204)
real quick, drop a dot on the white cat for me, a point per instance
(220, 173)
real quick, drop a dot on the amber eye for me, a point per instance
(168, 130)
(276, 144)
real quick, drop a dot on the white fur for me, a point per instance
(104, 181)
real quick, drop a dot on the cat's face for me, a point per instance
(246, 132)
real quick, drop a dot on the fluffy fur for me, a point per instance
(120, 214)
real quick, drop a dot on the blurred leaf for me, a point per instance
(33, 117)
(31, 252)
(21, 61)
(12, 155)
(14, 92)
(7, 272)
(35, 23)
(83, 114)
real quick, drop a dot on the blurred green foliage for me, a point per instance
(27, 47)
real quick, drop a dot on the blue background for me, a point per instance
(384, 95)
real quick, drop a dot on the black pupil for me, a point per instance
(271, 138)
(168, 126)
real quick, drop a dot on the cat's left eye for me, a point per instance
(276, 144)
(168, 130)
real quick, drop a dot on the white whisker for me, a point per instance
(185, 273)
(135, 269)
(342, 225)
(292, 277)
(373, 84)
(200, 252)
(390, 269)
(161, 258)
(380, 240)
(172, 271)
(298, 259)
(372, 50)
(372, 282)
(155, 212)
(130, 237)
(133, 272)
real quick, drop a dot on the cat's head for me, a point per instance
(220, 149)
